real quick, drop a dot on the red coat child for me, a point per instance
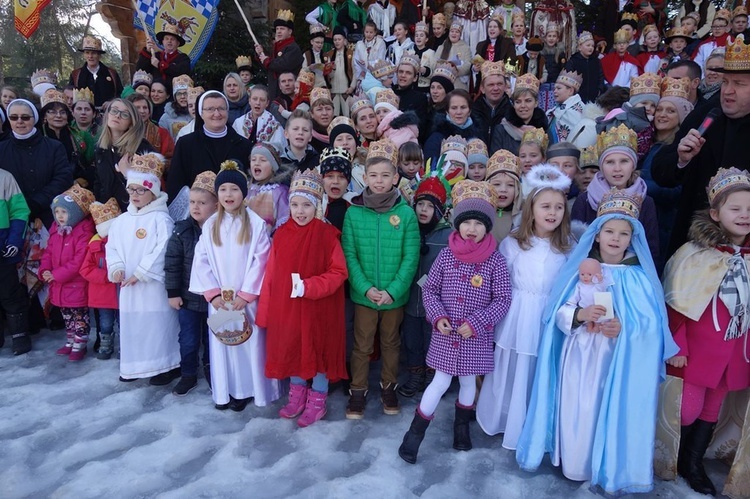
(63, 257)
(102, 292)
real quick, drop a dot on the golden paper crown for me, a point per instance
(194, 93)
(629, 16)
(205, 180)
(511, 66)
(620, 202)
(492, 68)
(552, 26)
(527, 82)
(454, 143)
(622, 36)
(584, 37)
(316, 30)
(319, 93)
(335, 152)
(359, 104)
(339, 120)
(723, 14)
(381, 69)
(446, 70)
(572, 79)
(387, 96)
(182, 82)
(43, 76)
(383, 148)
(676, 87)
(142, 76)
(725, 179)
(307, 77)
(243, 61)
(678, 32)
(456, 24)
(148, 163)
(618, 136)
(285, 15)
(104, 212)
(82, 197)
(412, 60)
(647, 83)
(737, 56)
(504, 161)
(518, 16)
(307, 182)
(536, 136)
(52, 95)
(422, 26)
(476, 146)
(91, 43)
(83, 94)
(470, 189)
(589, 157)
(439, 18)
(739, 11)
(648, 29)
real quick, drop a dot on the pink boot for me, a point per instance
(315, 409)
(296, 404)
(68, 347)
(78, 352)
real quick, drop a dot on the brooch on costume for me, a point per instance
(476, 281)
(140, 233)
(395, 220)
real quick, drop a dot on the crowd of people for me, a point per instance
(560, 220)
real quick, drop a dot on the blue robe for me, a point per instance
(622, 453)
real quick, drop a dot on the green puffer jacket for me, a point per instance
(382, 250)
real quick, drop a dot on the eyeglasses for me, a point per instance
(212, 110)
(121, 114)
(715, 26)
(714, 69)
(137, 190)
(59, 112)
(23, 117)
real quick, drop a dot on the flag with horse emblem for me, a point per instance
(195, 20)
(27, 14)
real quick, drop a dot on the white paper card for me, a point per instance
(422, 280)
(295, 282)
(604, 298)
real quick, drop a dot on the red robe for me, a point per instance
(611, 64)
(305, 336)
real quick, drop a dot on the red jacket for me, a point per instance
(102, 292)
(63, 257)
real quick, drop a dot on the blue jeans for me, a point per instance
(415, 336)
(193, 332)
(106, 320)
(319, 382)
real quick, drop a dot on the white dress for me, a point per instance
(235, 370)
(501, 407)
(148, 325)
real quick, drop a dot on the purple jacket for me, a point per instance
(63, 257)
(479, 294)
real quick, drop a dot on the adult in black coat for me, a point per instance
(102, 80)
(39, 164)
(410, 98)
(166, 64)
(691, 161)
(285, 57)
(491, 105)
(456, 122)
(212, 143)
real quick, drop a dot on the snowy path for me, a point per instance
(74, 430)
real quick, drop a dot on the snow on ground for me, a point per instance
(73, 430)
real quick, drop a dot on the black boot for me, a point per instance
(17, 328)
(414, 384)
(686, 433)
(461, 435)
(692, 470)
(2, 329)
(413, 438)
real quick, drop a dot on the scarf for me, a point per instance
(64, 230)
(734, 292)
(467, 251)
(706, 90)
(380, 203)
(466, 125)
(599, 186)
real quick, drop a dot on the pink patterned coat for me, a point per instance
(479, 294)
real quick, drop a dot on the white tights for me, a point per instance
(440, 384)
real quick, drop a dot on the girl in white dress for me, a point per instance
(135, 259)
(535, 252)
(228, 268)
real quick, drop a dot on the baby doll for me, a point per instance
(590, 280)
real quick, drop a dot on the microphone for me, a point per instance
(709, 120)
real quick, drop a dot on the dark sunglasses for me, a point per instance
(23, 117)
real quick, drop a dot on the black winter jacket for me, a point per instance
(108, 182)
(178, 264)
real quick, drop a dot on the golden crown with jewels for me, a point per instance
(43, 76)
(446, 70)
(536, 136)
(102, 212)
(205, 180)
(454, 143)
(307, 182)
(150, 163)
(675, 87)
(618, 136)
(387, 96)
(737, 56)
(725, 179)
(493, 68)
(80, 196)
(504, 161)
(572, 79)
(470, 189)
(52, 95)
(383, 148)
(620, 202)
(527, 82)
(360, 104)
(647, 83)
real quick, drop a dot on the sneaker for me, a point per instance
(389, 399)
(165, 378)
(355, 408)
(184, 386)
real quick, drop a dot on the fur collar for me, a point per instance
(706, 233)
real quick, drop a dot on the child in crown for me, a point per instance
(708, 300)
(135, 260)
(594, 399)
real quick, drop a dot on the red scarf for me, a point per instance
(164, 61)
(277, 48)
(611, 64)
(467, 251)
